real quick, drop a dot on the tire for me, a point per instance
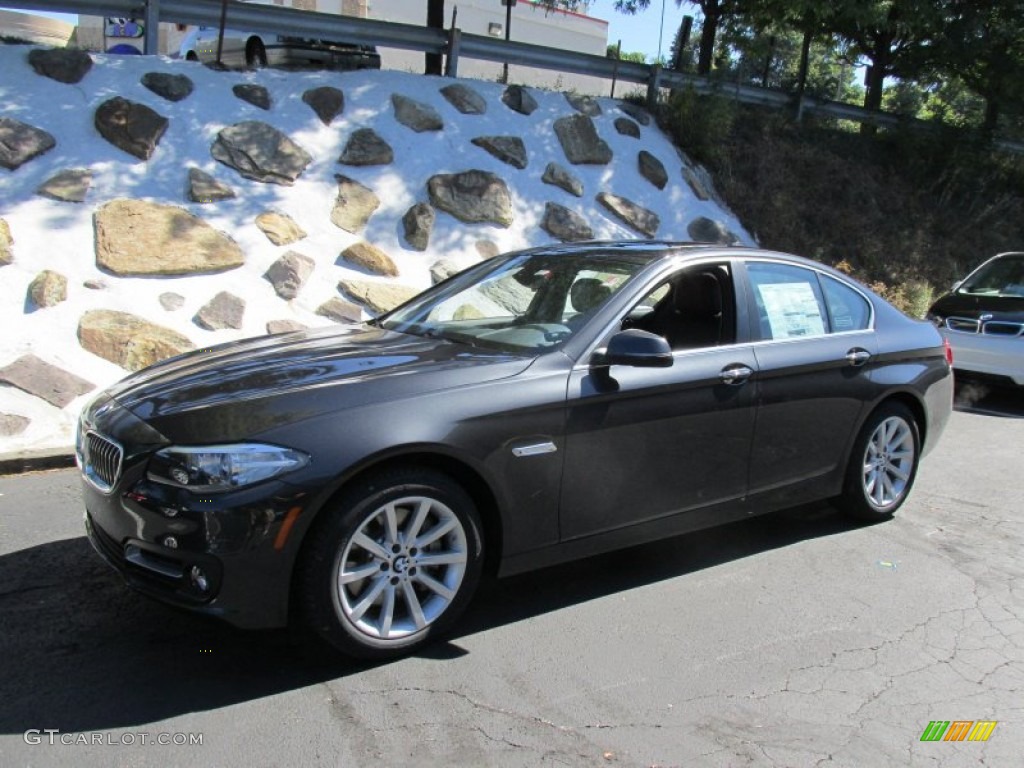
(191, 56)
(883, 464)
(363, 582)
(255, 53)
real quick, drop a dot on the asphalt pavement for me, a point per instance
(796, 639)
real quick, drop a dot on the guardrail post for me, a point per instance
(151, 43)
(451, 63)
(653, 86)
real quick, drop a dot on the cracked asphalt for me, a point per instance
(797, 639)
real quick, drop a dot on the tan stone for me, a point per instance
(279, 228)
(371, 258)
(127, 340)
(380, 297)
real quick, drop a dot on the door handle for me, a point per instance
(857, 356)
(735, 375)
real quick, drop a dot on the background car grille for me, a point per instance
(990, 327)
(102, 461)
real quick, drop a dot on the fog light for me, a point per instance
(199, 580)
(170, 542)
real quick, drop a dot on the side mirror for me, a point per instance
(635, 348)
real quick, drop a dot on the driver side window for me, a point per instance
(693, 309)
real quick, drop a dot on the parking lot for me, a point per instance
(797, 639)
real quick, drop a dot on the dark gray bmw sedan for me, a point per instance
(544, 405)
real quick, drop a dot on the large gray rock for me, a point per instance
(171, 87)
(69, 186)
(639, 114)
(416, 115)
(132, 127)
(260, 152)
(48, 289)
(135, 237)
(353, 206)
(644, 221)
(652, 169)
(565, 224)
(12, 424)
(508, 149)
(225, 310)
(20, 142)
(256, 95)
(6, 241)
(705, 230)
(518, 99)
(340, 311)
(365, 147)
(585, 105)
(41, 379)
(65, 65)
(380, 297)
(127, 340)
(284, 326)
(418, 223)
(627, 127)
(580, 142)
(464, 99)
(558, 176)
(289, 273)
(203, 188)
(279, 228)
(370, 258)
(472, 196)
(326, 101)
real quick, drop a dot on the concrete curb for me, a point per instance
(35, 461)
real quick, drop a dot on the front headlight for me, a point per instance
(213, 468)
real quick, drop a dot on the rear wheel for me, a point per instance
(393, 565)
(255, 53)
(883, 464)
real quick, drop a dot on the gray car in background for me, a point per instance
(255, 50)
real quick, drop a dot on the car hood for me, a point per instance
(314, 371)
(971, 306)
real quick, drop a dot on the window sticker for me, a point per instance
(792, 310)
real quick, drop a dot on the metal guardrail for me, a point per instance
(274, 20)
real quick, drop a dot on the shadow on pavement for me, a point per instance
(80, 652)
(982, 397)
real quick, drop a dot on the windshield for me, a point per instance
(1000, 277)
(527, 302)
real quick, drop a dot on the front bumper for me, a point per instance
(989, 354)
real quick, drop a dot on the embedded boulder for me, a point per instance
(418, 223)
(284, 326)
(641, 219)
(416, 115)
(171, 301)
(225, 310)
(518, 99)
(508, 149)
(48, 289)
(639, 114)
(260, 152)
(353, 206)
(21, 142)
(464, 99)
(170, 87)
(558, 176)
(627, 127)
(487, 249)
(565, 224)
(442, 269)
(256, 95)
(585, 105)
(580, 142)
(127, 340)
(370, 258)
(203, 188)
(705, 230)
(279, 228)
(12, 424)
(380, 297)
(43, 380)
(65, 65)
(6, 241)
(365, 147)
(289, 273)
(326, 101)
(340, 311)
(472, 196)
(132, 127)
(70, 186)
(652, 169)
(135, 237)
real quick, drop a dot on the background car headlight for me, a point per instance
(222, 467)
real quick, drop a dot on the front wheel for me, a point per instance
(255, 53)
(393, 565)
(883, 464)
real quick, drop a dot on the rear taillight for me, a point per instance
(949, 352)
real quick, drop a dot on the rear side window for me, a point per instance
(789, 301)
(847, 309)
